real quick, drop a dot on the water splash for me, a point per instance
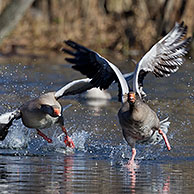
(17, 137)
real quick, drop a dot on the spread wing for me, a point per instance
(94, 66)
(163, 58)
(74, 87)
(89, 63)
(6, 121)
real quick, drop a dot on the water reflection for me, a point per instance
(135, 179)
(76, 174)
(166, 186)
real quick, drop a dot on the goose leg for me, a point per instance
(131, 162)
(44, 136)
(68, 141)
(165, 139)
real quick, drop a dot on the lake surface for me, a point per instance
(28, 164)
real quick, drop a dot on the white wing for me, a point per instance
(74, 87)
(163, 58)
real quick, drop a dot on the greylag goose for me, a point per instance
(44, 111)
(139, 122)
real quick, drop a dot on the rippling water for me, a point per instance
(28, 164)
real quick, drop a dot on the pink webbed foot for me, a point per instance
(69, 142)
(44, 136)
(131, 162)
(165, 139)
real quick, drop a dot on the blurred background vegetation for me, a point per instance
(127, 27)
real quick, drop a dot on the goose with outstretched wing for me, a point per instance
(139, 122)
(44, 111)
(164, 58)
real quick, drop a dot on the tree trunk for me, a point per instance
(11, 15)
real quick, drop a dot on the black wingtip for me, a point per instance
(71, 60)
(3, 133)
(6, 121)
(68, 51)
(77, 46)
(70, 43)
(186, 42)
(189, 39)
(63, 50)
(182, 23)
(67, 41)
(4, 130)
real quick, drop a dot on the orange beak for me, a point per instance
(132, 97)
(57, 112)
